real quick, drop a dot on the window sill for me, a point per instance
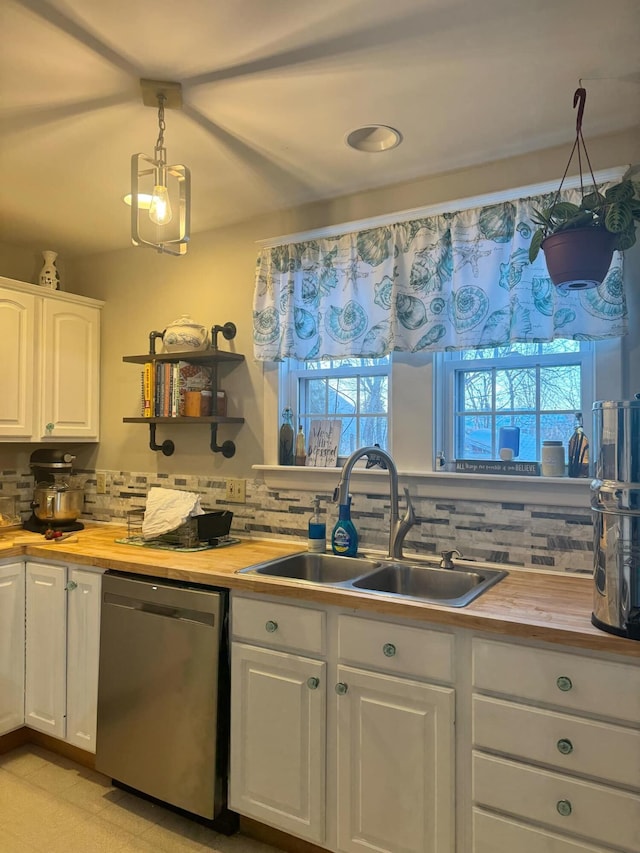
(443, 485)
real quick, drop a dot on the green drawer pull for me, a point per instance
(271, 626)
(389, 650)
(313, 683)
(341, 688)
(564, 746)
(564, 683)
(564, 808)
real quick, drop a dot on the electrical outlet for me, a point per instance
(101, 483)
(236, 491)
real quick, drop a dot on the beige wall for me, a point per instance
(214, 283)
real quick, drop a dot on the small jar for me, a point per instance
(205, 403)
(552, 459)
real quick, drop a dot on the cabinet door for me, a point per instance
(70, 362)
(46, 648)
(17, 356)
(11, 646)
(278, 739)
(395, 758)
(83, 645)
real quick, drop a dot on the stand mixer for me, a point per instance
(56, 503)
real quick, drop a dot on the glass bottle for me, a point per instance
(300, 455)
(578, 455)
(285, 454)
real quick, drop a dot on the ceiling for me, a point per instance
(271, 88)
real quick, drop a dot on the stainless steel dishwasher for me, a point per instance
(163, 693)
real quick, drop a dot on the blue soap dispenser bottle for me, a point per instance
(317, 533)
(344, 539)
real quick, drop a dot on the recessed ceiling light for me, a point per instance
(144, 200)
(374, 138)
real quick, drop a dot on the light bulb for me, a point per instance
(160, 207)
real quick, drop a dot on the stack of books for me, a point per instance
(164, 384)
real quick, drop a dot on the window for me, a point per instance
(354, 391)
(536, 387)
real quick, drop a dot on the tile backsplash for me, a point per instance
(518, 534)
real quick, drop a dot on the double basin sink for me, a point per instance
(455, 587)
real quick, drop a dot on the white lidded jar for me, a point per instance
(552, 459)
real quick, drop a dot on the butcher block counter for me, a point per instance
(527, 603)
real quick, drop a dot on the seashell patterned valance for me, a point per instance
(454, 281)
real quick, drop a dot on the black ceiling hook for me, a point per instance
(579, 99)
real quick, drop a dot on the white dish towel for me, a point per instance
(167, 509)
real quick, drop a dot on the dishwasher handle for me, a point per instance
(166, 611)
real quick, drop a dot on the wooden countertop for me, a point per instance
(528, 604)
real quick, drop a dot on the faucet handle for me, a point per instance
(336, 494)
(410, 515)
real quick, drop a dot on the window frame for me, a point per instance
(291, 372)
(448, 366)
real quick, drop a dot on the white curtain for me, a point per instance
(456, 281)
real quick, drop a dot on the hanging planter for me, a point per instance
(579, 240)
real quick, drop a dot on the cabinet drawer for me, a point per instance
(283, 626)
(557, 678)
(568, 743)
(496, 834)
(417, 652)
(601, 814)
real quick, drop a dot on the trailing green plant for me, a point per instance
(616, 211)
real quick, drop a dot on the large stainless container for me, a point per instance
(615, 500)
(57, 503)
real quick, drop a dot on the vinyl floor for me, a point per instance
(52, 805)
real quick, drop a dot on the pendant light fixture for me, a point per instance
(160, 193)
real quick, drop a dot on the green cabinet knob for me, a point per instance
(389, 650)
(564, 746)
(564, 808)
(313, 683)
(564, 683)
(341, 688)
(71, 585)
(271, 626)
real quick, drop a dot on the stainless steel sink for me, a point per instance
(454, 587)
(315, 568)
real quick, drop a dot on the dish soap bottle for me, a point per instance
(344, 539)
(317, 541)
(578, 462)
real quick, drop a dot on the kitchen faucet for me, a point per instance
(398, 528)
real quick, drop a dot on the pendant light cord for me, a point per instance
(160, 151)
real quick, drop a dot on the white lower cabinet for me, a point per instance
(62, 642)
(548, 774)
(278, 739)
(395, 764)
(330, 747)
(11, 646)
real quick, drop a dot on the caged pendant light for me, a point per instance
(160, 193)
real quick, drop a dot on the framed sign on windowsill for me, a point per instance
(324, 440)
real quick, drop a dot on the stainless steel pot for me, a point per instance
(55, 503)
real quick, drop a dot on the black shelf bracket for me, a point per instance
(227, 448)
(153, 336)
(228, 333)
(167, 447)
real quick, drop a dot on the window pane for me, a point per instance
(528, 451)
(560, 387)
(374, 395)
(348, 437)
(516, 389)
(560, 346)
(373, 431)
(316, 396)
(556, 428)
(342, 396)
(475, 438)
(476, 390)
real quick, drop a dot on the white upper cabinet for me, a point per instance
(18, 314)
(53, 386)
